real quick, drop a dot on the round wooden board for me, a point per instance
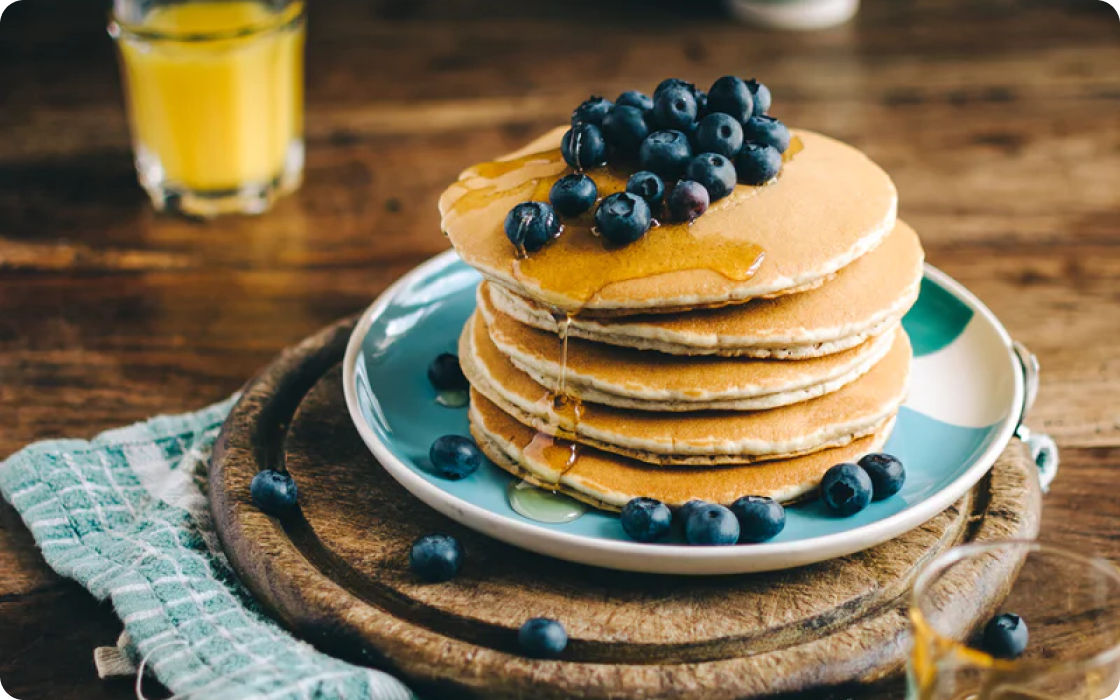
(338, 575)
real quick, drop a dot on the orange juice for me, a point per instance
(215, 92)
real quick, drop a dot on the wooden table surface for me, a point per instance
(998, 119)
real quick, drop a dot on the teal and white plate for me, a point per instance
(965, 401)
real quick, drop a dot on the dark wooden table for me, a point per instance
(999, 120)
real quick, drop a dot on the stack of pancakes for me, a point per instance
(742, 354)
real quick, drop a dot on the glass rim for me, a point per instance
(944, 561)
(288, 17)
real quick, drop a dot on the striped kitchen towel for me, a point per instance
(125, 515)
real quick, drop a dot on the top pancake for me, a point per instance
(829, 206)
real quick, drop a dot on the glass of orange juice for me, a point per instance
(1056, 634)
(215, 100)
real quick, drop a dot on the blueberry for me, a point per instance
(886, 472)
(731, 96)
(531, 225)
(623, 218)
(688, 201)
(701, 104)
(666, 153)
(846, 489)
(671, 83)
(1005, 636)
(675, 108)
(445, 373)
(718, 133)
(646, 519)
(633, 98)
(591, 111)
(455, 456)
(584, 147)
(761, 95)
(436, 558)
(688, 509)
(647, 186)
(274, 492)
(714, 172)
(760, 518)
(573, 194)
(711, 524)
(625, 128)
(767, 130)
(757, 164)
(542, 638)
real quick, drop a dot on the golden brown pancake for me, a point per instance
(829, 206)
(863, 299)
(607, 481)
(703, 438)
(651, 381)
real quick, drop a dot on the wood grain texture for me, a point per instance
(338, 575)
(997, 119)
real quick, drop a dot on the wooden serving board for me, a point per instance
(338, 576)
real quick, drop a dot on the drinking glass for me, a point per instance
(214, 91)
(1069, 602)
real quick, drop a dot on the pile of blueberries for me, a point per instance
(701, 143)
(846, 489)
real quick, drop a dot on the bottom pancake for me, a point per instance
(608, 481)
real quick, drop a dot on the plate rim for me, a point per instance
(671, 558)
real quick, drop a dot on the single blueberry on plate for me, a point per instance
(625, 129)
(760, 518)
(714, 172)
(530, 225)
(731, 96)
(675, 108)
(646, 519)
(711, 524)
(688, 201)
(649, 187)
(718, 133)
(584, 147)
(886, 472)
(768, 130)
(846, 489)
(542, 638)
(623, 218)
(1005, 636)
(666, 153)
(591, 111)
(669, 84)
(573, 194)
(761, 95)
(455, 457)
(445, 374)
(436, 558)
(634, 98)
(757, 164)
(274, 492)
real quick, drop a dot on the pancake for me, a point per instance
(829, 206)
(608, 481)
(651, 381)
(703, 438)
(863, 300)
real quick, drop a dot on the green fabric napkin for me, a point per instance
(125, 515)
